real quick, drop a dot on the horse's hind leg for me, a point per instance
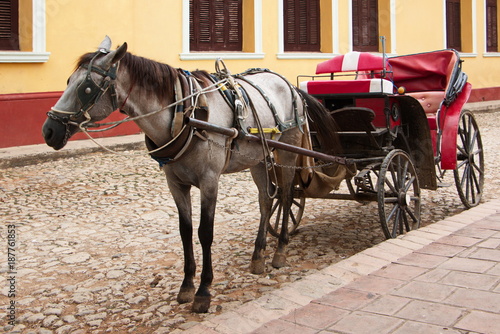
(286, 187)
(259, 174)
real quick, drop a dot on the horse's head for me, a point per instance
(89, 97)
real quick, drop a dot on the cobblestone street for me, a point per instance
(98, 248)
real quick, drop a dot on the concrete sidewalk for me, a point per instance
(443, 278)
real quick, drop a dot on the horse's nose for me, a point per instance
(47, 132)
(54, 133)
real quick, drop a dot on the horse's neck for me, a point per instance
(140, 102)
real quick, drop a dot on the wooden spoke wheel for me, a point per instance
(296, 212)
(398, 195)
(469, 174)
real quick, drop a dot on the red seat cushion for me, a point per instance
(320, 87)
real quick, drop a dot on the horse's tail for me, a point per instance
(322, 123)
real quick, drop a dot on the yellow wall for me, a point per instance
(154, 29)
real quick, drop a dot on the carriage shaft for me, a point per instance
(232, 132)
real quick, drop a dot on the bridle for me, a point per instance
(88, 93)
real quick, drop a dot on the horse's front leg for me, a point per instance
(182, 198)
(208, 194)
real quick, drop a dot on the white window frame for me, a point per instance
(393, 37)
(335, 36)
(307, 55)
(474, 30)
(39, 53)
(485, 51)
(188, 55)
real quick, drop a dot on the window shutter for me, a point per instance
(365, 25)
(9, 25)
(453, 25)
(215, 25)
(302, 25)
(491, 26)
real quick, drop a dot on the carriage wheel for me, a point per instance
(398, 195)
(296, 212)
(469, 174)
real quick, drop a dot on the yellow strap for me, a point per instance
(274, 130)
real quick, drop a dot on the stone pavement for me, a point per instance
(444, 278)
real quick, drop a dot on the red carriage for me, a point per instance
(402, 125)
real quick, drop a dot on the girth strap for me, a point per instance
(197, 107)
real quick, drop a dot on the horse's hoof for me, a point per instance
(257, 267)
(201, 304)
(279, 260)
(186, 295)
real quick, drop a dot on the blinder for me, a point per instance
(89, 92)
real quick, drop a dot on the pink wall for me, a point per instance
(22, 117)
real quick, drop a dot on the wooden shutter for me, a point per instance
(491, 26)
(9, 24)
(365, 25)
(453, 25)
(301, 25)
(215, 25)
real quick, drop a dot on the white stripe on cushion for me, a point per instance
(303, 86)
(381, 86)
(350, 62)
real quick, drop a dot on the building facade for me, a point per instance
(40, 41)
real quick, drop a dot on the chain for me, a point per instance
(233, 151)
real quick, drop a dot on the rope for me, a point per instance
(209, 89)
(85, 124)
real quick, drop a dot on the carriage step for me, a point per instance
(444, 184)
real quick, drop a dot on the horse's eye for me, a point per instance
(88, 90)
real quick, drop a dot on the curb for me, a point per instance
(33, 154)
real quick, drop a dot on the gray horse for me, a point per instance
(108, 80)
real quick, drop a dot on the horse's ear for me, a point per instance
(115, 56)
(119, 53)
(105, 45)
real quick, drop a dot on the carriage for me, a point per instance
(402, 126)
(396, 126)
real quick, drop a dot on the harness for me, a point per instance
(190, 102)
(234, 95)
(185, 85)
(237, 98)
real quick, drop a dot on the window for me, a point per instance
(32, 45)
(365, 25)
(215, 25)
(491, 26)
(9, 25)
(301, 20)
(453, 25)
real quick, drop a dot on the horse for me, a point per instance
(159, 98)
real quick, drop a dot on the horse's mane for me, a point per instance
(152, 76)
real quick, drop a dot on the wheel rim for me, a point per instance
(398, 194)
(469, 173)
(296, 212)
